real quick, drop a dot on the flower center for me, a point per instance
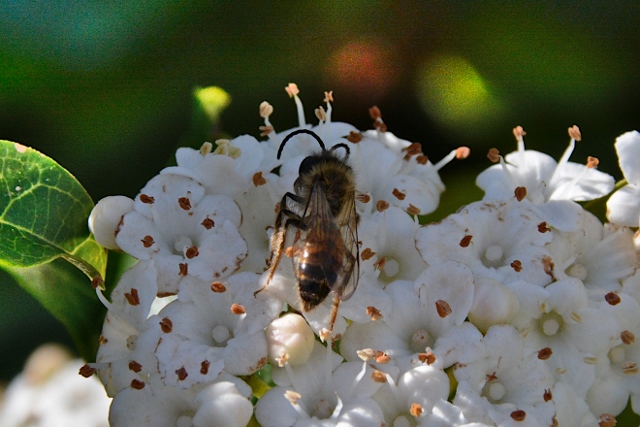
(419, 340)
(391, 268)
(181, 243)
(220, 335)
(493, 256)
(551, 323)
(323, 409)
(404, 421)
(578, 271)
(616, 355)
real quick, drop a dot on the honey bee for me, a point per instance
(322, 211)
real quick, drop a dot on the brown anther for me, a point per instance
(292, 396)
(363, 197)
(218, 287)
(86, 371)
(266, 109)
(204, 367)
(493, 155)
(182, 374)
(520, 193)
(208, 223)
(354, 137)
(374, 313)
(592, 162)
(413, 210)
(574, 133)
(545, 353)
(548, 265)
(492, 377)
(382, 358)
(102, 340)
(466, 241)
(462, 152)
(132, 297)
(237, 309)
(135, 366)
(367, 254)
(166, 325)
(516, 265)
(443, 308)
(184, 203)
(612, 298)
(519, 415)
(398, 194)
(378, 377)
(321, 114)
(518, 132)
(428, 357)
(192, 252)
(183, 269)
(277, 208)
(380, 263)
(328, 96)
(292, 89)
(166, 294)
(147, 199)
(375, 113)
(413, 149)
(543, 227)
(97, 282)
(547, 396)
(627, 337)
(607, 420)
(382, 206)
(258, 179)
(630, 368)
(147, 241)
(422, 159)
(137, 384)
(416, 409)
(265, 130)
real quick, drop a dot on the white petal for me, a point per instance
(623, 207)
(628, 149)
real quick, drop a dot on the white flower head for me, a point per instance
(544, 179)
(623, 207)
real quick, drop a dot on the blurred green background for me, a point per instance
(105, 88)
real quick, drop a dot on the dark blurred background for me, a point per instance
(105, 88)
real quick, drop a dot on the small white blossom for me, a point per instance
(105, 218)
(544, 178)
(623, 207)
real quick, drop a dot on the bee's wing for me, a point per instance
(349, 231)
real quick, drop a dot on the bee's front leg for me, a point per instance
(280, 234)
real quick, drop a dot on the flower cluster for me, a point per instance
(519, 309)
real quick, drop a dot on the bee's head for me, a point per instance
(317, 138)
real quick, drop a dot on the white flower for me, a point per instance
(544, 178)
(216, 327)
(186, 232)
(600, 256)
(414, 395)
(509, 378)
(481, 236)
(623, 207)
(324, 392)
(429, 314)
(49, 392)
(573, 333)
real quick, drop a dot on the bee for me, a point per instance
(322, 213)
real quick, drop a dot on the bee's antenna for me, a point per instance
(297, 132)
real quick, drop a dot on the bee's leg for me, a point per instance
(278, 239)
(334, 313)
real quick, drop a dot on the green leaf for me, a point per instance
(43, 221)
(43, 213)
